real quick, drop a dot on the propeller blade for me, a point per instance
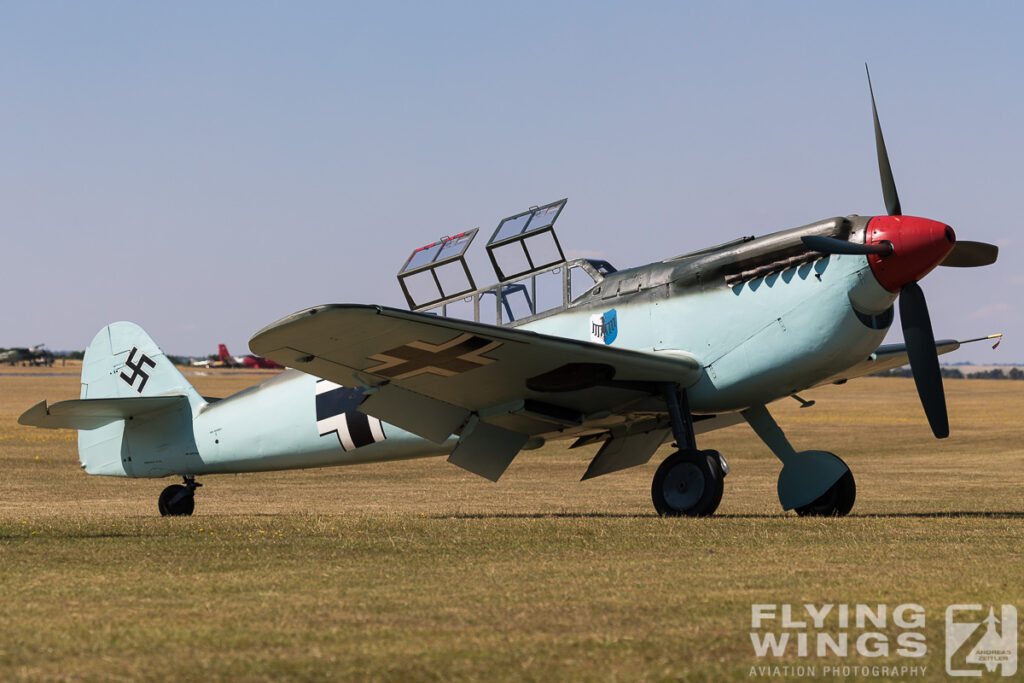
(892, 200)
(830, 245)
(924, 360)
(967, 254)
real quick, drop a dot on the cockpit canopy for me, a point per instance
(526, 243)
(534, 277)
(437, 271)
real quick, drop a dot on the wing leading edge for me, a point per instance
(889, 356)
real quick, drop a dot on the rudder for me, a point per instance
(124, 362)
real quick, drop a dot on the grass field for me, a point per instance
(419, 571)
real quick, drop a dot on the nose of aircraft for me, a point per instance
(917, 246)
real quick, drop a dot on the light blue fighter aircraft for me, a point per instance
(557, 350)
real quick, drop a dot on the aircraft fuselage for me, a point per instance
(760, 338)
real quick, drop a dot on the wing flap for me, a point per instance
(432, 419)
(486, 450)
(619, 453)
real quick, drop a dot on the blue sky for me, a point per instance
(204, 169)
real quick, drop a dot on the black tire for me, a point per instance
(715, 462)
(176, 501)
(688, 483)
(836, 502)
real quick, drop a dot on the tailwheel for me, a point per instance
(178, 500)
(688, 483)
(836, 502)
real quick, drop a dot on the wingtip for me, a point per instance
(998, 336)
(28, 418)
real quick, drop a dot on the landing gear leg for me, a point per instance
(178, 500)
(814, 483)
(689, 482)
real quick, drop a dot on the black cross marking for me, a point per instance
(138, 369)
(458, 355)
(344, 402)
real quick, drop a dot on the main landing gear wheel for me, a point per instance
(688, 483)
(178, 500)
(836, 502)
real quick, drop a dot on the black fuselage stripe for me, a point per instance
(336, 402)
(359, 428)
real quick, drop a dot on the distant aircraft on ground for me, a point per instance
(557, 350)
(223, 359)
(247, 361)
(36, 355)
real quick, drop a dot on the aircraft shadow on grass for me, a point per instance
(1006, 514)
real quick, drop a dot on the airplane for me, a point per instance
(224, 359)
(247, 361)
(558, 350)
(37, 355)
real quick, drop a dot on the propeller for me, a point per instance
(892, 200)
(916, 245)
(964, 254)
(968, 254)
(924, 359)
(830, 245)
(917, 324)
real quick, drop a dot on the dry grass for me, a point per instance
(417, 570)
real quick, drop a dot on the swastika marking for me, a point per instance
(138, 369)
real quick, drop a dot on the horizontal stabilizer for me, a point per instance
(92, 413)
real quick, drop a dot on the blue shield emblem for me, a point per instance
(604, 327)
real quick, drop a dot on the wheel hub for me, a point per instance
(684, 485)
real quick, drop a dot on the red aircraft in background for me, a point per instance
(248, 361)
(223, 359)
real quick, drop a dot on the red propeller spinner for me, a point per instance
(917, 246)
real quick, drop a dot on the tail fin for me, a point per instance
(222, 353)
(135, 416)
(121, 365)
(124, 362)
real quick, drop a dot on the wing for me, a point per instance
(497, 387)
(889, 356)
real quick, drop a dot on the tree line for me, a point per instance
(956, 373)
